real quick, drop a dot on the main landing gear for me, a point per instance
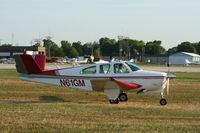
(116, 101)
(122, 98)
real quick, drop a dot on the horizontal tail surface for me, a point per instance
(29, 65)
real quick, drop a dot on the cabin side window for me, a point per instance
(89, 70)
(105, 68)
(120, 68)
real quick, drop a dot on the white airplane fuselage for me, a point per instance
(114, 78)
(151, 82)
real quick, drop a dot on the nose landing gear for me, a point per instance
(163, 101)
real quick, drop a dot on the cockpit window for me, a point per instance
(105, 68)
(89, 70)
(133, 66)
(120, 68)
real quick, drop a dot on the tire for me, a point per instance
(163, 101)
(123, 97)
(116, 101)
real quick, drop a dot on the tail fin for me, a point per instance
(41, 61)
(27, 64)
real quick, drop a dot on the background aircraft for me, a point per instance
(113, 78)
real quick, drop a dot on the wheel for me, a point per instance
(123, 97)
(163, 101)
(112, 101)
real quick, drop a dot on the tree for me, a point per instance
(87, 48)
(186, 47)
(107, 46)
(56, 51)
(136, 47)
(47, 44)
(197, 47)
(134, 52)
(6, 45)
(154, 48)
(73, 53)
(78, 47)
(129, 47)
(66, 46)
(96, 49)
(172, 51)
(37, 45)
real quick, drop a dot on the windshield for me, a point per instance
(89, 70)
(133, 66)
(120, 68)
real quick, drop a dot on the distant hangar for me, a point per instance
(10, 51)
(184, 58)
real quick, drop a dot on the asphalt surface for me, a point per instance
(150, 68)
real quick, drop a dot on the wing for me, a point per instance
(112, 87)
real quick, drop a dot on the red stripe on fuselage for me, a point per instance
(53, 73)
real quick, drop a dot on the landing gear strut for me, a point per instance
(123, 97)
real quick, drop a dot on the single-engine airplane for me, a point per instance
(114, 78)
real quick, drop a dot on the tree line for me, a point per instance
(110, 47)
(104, 47)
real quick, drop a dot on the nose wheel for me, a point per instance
(163, 101)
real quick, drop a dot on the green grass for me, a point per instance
(187, 77)
(27, 107)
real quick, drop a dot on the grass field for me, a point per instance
(32, 107)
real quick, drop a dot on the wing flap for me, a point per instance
(100, 85)
(126, 86)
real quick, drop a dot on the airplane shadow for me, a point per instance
(47, 99)
(51, 99)
(54, 99)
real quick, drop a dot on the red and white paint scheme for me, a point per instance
(114, 78)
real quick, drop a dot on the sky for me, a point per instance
(171, 21)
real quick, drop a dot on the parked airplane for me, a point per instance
(114, 78)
